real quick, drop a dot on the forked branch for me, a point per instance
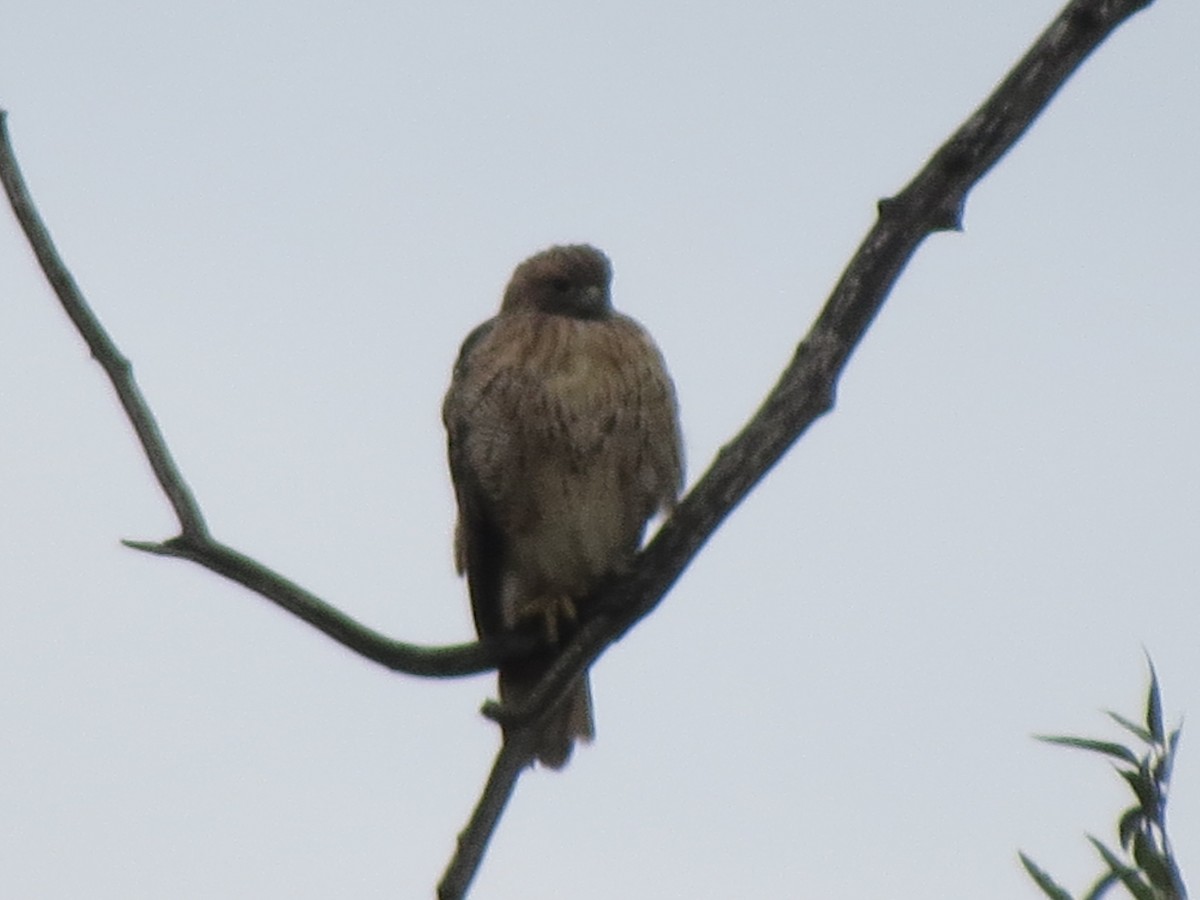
(194, 541)
(932, 201)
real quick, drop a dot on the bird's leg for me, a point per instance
(556, 612)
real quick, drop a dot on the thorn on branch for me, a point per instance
(156, 547)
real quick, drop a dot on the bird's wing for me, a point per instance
(479, 545)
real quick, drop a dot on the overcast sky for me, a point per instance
(289, 214)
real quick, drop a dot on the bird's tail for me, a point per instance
(570, 722)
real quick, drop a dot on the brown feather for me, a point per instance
(563, 442)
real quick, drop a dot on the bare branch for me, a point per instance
(105, 352)
(195, 542)
(932, 201)
(412, 659)
(514, 756)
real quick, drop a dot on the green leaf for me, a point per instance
(1173, 741)
(1048, 885)
(1108, 748)
(1156, 867)
(1100, 888)
(1162, 771)
(1154, 719)
(1131, 822)
(1138, 730)
(1144, 789)
(1129, 876)
(1137, 887)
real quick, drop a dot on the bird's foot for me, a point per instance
(558, 615)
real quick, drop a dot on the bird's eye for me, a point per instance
(561, 284)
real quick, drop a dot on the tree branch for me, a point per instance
(102, 348)
(195, 542)
(933, 201)
(515, 754)
(399, 656)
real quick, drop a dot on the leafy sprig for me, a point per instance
(1145, 864)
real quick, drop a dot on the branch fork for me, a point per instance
(933, 201)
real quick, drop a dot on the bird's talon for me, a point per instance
(556, 612)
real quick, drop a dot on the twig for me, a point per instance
(105, 352)
(510, 762)
(195, 542)
(400, 656)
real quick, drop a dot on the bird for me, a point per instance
(563, 440)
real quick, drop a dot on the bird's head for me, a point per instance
(568, 280)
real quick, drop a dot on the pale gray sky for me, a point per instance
(289, 214)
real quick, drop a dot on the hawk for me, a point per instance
(563, 439)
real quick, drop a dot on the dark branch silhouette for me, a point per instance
(933, 201)
(195, 541)
(437, 662)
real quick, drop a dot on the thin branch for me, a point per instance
(195, 542)
(511, 761)
(105, 352)
(933, 201)
(400, 656)
(515, 755)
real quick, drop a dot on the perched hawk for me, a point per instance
(563, 440)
